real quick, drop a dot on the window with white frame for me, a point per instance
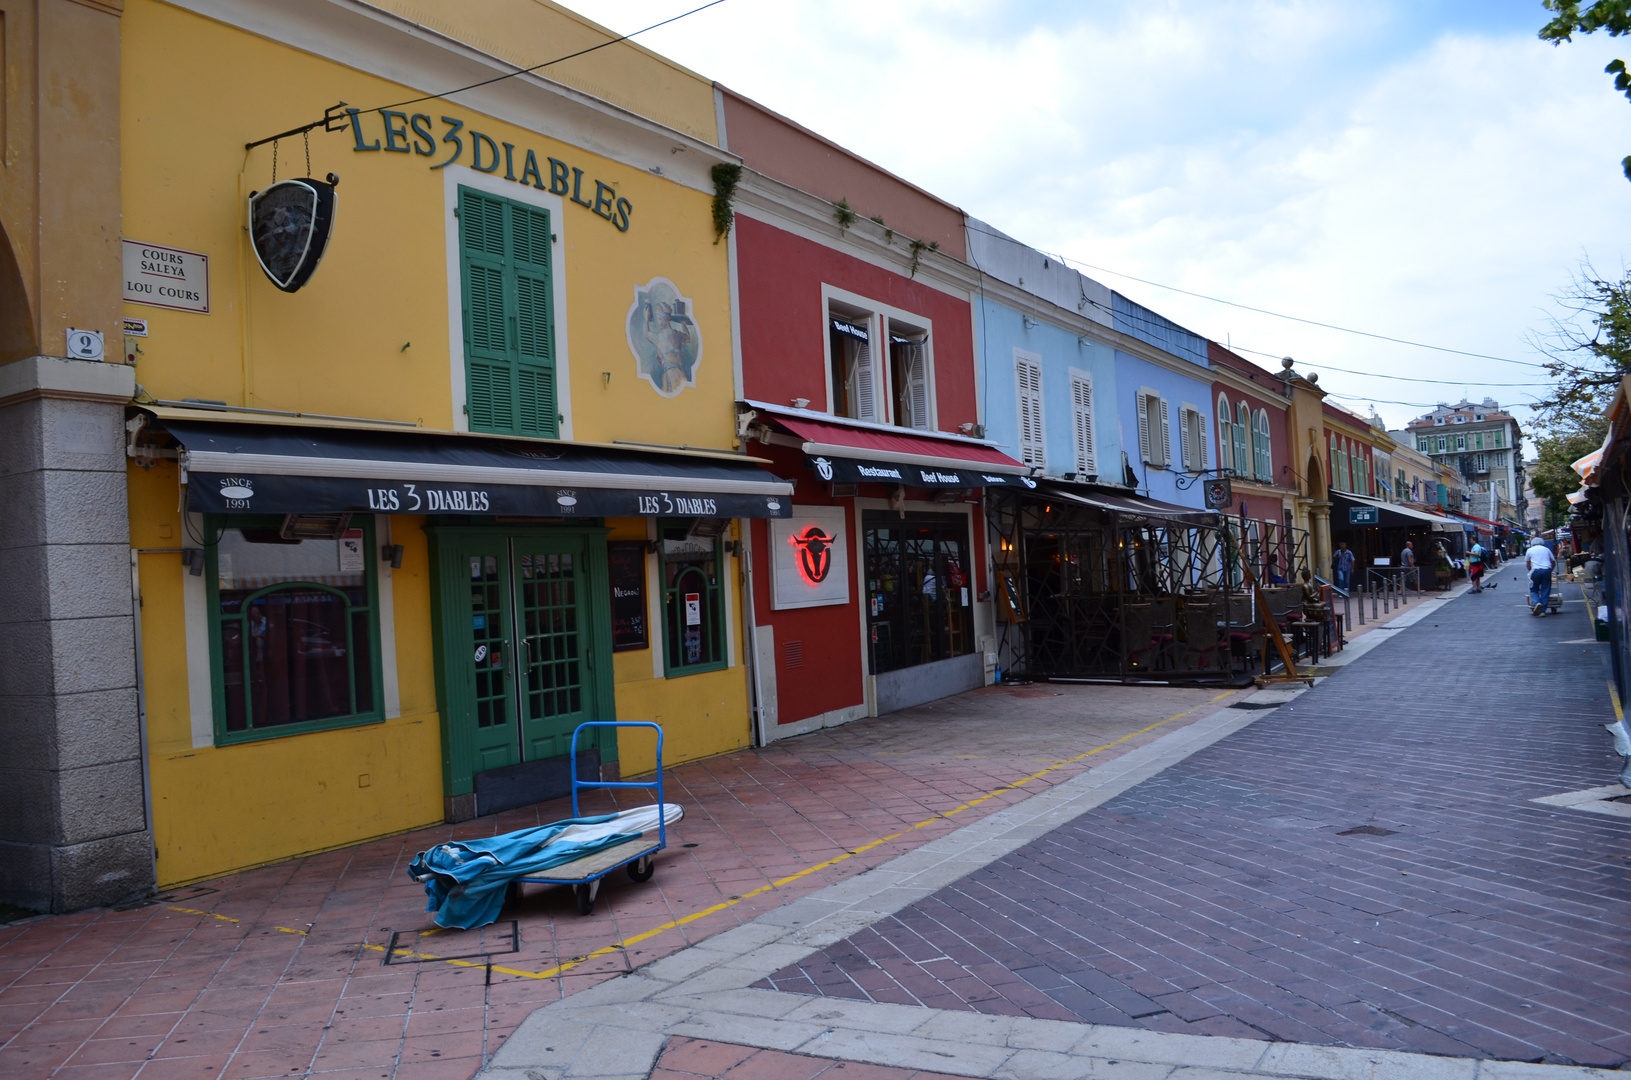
(1028, 387)
(854, 377)
(909, 375)
(880, 362)
(1262, 457)
(1460, 442)
(1081, 420)
(1443, 444)
(1243, 439)
(1226, 455)
(1500, 459)
(1192, 438)
(1154, 433)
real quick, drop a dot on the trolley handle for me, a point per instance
(657, 784)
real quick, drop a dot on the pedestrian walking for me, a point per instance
(1475, 566)
(1540, 560)
(1407, 559)
(1344, 567)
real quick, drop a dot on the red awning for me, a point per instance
(908, 448)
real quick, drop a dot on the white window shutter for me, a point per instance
(1166, 431)
(1200, 439)
(1184, 446)
(1081, 393)
(1028, 381)
(1226, 459)
(866, 397)
(1143, 427)
(917, 385)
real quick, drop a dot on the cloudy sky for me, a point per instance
(1421, 169)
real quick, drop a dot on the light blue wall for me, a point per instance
(1140, 322)
(1001, 330)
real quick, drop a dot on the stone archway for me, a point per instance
(17, 336)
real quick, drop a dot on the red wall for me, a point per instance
(784, 327)
(1279, 431)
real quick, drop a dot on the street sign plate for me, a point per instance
(1364, 515)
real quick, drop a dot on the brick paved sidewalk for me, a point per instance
(279, 971)
(1364, 868)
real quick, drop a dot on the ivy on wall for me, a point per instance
(726, 176)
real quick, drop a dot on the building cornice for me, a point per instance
(379, 43)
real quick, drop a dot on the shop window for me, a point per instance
(1192, 438)
(1028, 388)
(294, 640)
(1081, 421)
(1262, 457)
(909, 375)
(509, 325)
(693, 603)
(1154, 433)
(919, 596)
(1226, 449)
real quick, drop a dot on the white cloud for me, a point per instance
(1320, 159)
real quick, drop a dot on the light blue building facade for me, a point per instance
(1083, 383)
(1047, 370)
(1178, 376)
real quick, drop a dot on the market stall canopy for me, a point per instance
(849, 452)
(240, 466)
(1394, 516)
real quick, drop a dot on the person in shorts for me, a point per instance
(1475, 566)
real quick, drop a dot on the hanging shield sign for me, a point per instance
(289, 225)
(1219, 493)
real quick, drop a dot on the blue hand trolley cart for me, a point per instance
(636, 853)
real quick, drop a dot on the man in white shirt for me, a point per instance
(1539, 560)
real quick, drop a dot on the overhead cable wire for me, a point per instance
(1071, 261)
(329, 117)
(1396, 378)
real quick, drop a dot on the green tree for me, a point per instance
(1587, 366)
(1572, 17)
(1553, 474)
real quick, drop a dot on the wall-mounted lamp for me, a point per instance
(193, 560)
(1082, 342)
(800, 402)
(392, 553)
(1030, 323)
(734, 547)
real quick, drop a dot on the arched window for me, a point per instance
(1243, 439)
(1226, 455)
(1262, 459)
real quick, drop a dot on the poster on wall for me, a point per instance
(809, 558)
(627, 564)
(664, 336)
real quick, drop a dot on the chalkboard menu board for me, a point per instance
(628, 573)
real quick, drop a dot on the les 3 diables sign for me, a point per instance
(402, 133)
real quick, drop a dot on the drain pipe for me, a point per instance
(750, 651)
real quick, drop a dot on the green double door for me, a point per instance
(524, 655)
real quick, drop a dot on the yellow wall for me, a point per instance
(336, 347)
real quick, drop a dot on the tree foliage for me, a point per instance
(1552, 474)
(1587, 366)
(1611, 16)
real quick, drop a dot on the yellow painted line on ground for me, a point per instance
(647, 935)
(705, 912)
(1614, 696)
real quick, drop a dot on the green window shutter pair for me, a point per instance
(509, 317)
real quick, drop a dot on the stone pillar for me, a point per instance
(1319, 520)
(73, 810)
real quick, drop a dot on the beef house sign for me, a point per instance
(273, 494)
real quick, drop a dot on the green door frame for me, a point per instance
(449, 578)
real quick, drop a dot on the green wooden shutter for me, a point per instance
(504, 251)
(534, 307)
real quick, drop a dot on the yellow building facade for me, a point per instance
(474, 481)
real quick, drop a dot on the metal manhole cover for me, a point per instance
(1368, 830)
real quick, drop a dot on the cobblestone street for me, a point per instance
(1362, 867)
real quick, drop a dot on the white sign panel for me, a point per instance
(167, 277)
(85, 344)
(809, 558)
